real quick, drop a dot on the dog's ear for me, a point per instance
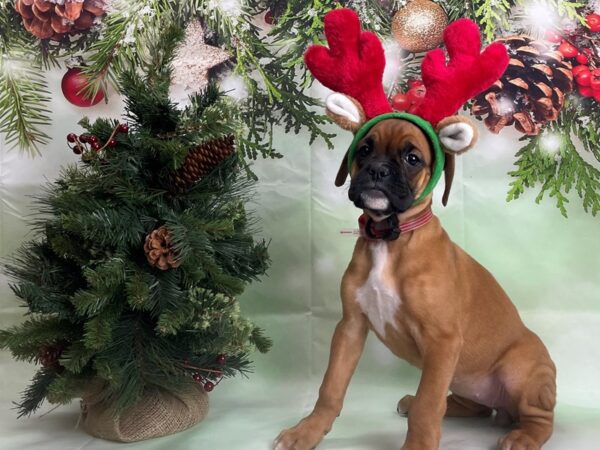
(342, 174)
(457, 134)
(345, 111)
(448, 176)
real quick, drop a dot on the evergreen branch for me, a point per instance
(26, 339)
(23, 103)
(33, 397)
(559, 173)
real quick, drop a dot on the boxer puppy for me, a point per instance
(432, 305)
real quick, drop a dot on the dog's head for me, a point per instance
(396, 159)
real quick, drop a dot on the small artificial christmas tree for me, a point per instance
(131, 286)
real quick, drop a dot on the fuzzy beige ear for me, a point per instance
(457, 134)
(345, 111)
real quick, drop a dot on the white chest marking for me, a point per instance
(378, 301)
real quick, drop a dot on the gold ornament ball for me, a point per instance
(419, 26)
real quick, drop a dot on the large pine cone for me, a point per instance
(159, 249)
(201, 161)
(532, 90)
(53, 19)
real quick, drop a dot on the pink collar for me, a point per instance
(389, 229)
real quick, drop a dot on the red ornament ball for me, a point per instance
(221, 359)
(209, 386)
(593, 21)
(73, 85)
(400, 102)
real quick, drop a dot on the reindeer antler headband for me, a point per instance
(353, 67)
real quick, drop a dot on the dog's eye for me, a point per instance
(364, 149)
(412, 159)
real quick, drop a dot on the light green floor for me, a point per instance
(248, 414)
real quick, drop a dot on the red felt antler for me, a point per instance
(467, 73)
(353, 64)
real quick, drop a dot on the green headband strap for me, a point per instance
(425, 126)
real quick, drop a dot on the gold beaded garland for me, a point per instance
(419, 26)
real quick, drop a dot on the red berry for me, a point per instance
(400, 102)
(568, 50)
(579, 69)
(77, 149)
(584, 78)
(93, 139)
(415, 83)
(218, 373)
(209, 386)
(96, 146)
(596, 95)
(595, 81)
(85, 138)
(112, 143)
(585, 91)
(417, 93)
(71, 137)
(123, 128)
(197, 377)
(582, 59)
(221, 359)
(593, 21)
(552, 36)
(269, 17)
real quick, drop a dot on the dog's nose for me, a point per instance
(379, 171)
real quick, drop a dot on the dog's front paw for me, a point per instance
(404, 404)
(304, 436)
(517, 440)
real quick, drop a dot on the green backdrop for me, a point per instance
(549, 266)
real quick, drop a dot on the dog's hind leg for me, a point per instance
(456, 406)
(535, 401)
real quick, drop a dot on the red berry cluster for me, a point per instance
(410, 100)
(88, 142)
(579, 49)
(213, 374)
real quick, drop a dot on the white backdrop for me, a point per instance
(549, 266)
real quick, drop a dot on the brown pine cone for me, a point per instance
(532, 90)
(54, 19)
(201, 161)
(159, 249)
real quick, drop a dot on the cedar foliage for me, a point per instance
(85, 280)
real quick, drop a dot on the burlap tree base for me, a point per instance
(158, 413)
